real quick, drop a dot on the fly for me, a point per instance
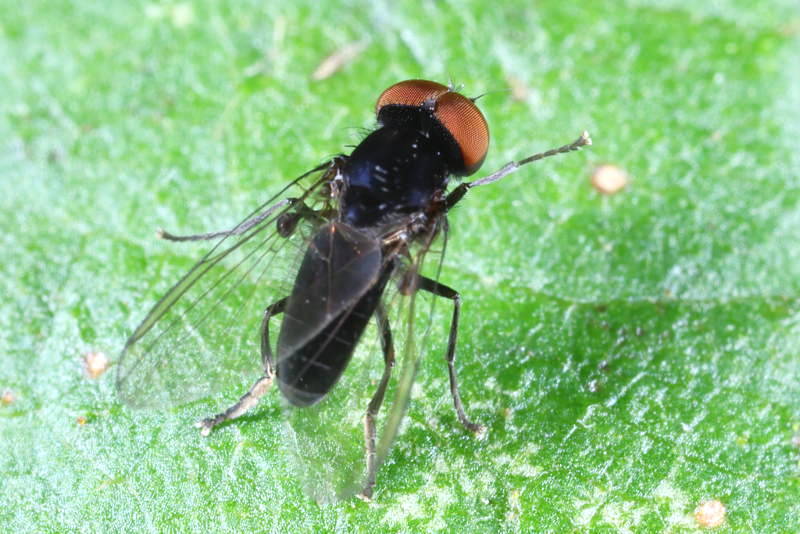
(364, 225)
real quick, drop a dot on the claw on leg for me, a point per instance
(244, 404)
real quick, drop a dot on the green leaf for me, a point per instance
(633, 355)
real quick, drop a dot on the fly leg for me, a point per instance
(441, 290)
(250, 399)
(458, 193)
(286, 222)
(370, 430)
(300, 210)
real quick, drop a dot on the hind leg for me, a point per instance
(370, 430)
(261, 386)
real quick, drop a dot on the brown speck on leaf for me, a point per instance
(81, 420)
(7, 397)
(609, 179)
(519, 91)
(95, 364)
(336, 61)
(710, 514)
(790, 28)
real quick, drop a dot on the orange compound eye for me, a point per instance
(456, 113)
(465, 122)
(410, 93)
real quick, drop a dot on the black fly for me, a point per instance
(363, 225)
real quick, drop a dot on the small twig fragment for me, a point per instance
(336, 61)
(710, 514)
(7, 397)
(95, 364)
(609, 179)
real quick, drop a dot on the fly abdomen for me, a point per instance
(335, 293)
(309, 373)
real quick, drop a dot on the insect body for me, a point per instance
(367, 223)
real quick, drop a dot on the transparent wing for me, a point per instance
(204, 332)
(329, 437)
(412, 318)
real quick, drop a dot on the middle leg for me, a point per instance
(441, 290)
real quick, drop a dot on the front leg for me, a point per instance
(458, 193)
(441, 290)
